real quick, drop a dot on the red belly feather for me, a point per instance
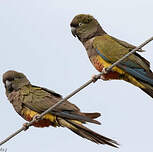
(41, 123)
(99, 67)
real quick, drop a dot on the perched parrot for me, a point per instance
(29, 100)
(103, 50)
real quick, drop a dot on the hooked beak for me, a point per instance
(7, 83)
(73, 30)
(8, 86)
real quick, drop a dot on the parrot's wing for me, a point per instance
(127, 45)
(107, 47)
(51, 92)
(40, 100)
(137, 66)
(75, 116)
(138, 73)
(131, 47)
(143, 59)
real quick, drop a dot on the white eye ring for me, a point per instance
(80, 24)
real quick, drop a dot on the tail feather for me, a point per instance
(145, 83)
(92, 115)
(83, 117)
(84, 132)
(148, 89)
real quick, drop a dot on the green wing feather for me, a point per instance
(113, 51)
(40, 99)
(127, 45)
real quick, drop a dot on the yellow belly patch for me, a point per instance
(47, 120)
(126, 76)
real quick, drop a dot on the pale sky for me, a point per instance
(35, 39)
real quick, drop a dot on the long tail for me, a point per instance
(148, 89)
(84, 132)
(140, 78)
(92, 115)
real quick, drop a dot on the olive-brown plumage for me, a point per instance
(103, 50)
(29, 100)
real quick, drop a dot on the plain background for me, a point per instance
(35, 39)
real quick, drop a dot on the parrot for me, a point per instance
(103, 50)
(30, 101)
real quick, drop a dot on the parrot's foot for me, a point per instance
(103, 77)
(104, 71)
(105, 74)
(95, 78)
(36, 118)
(26, 126)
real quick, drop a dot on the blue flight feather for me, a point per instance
(136, 72)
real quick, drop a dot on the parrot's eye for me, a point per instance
(9, 79)
(80, 24)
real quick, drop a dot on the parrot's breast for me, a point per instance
(46, 121)
(99, 65)
(16, 99)
(95, 61)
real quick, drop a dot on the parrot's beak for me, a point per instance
(73, 30)
(7, 83)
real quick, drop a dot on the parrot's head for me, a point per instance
(13, 81)
(85, 27)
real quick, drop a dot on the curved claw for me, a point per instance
(36, 118)
(104, 71)
(102, 77)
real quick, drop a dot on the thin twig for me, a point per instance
(76, 91)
